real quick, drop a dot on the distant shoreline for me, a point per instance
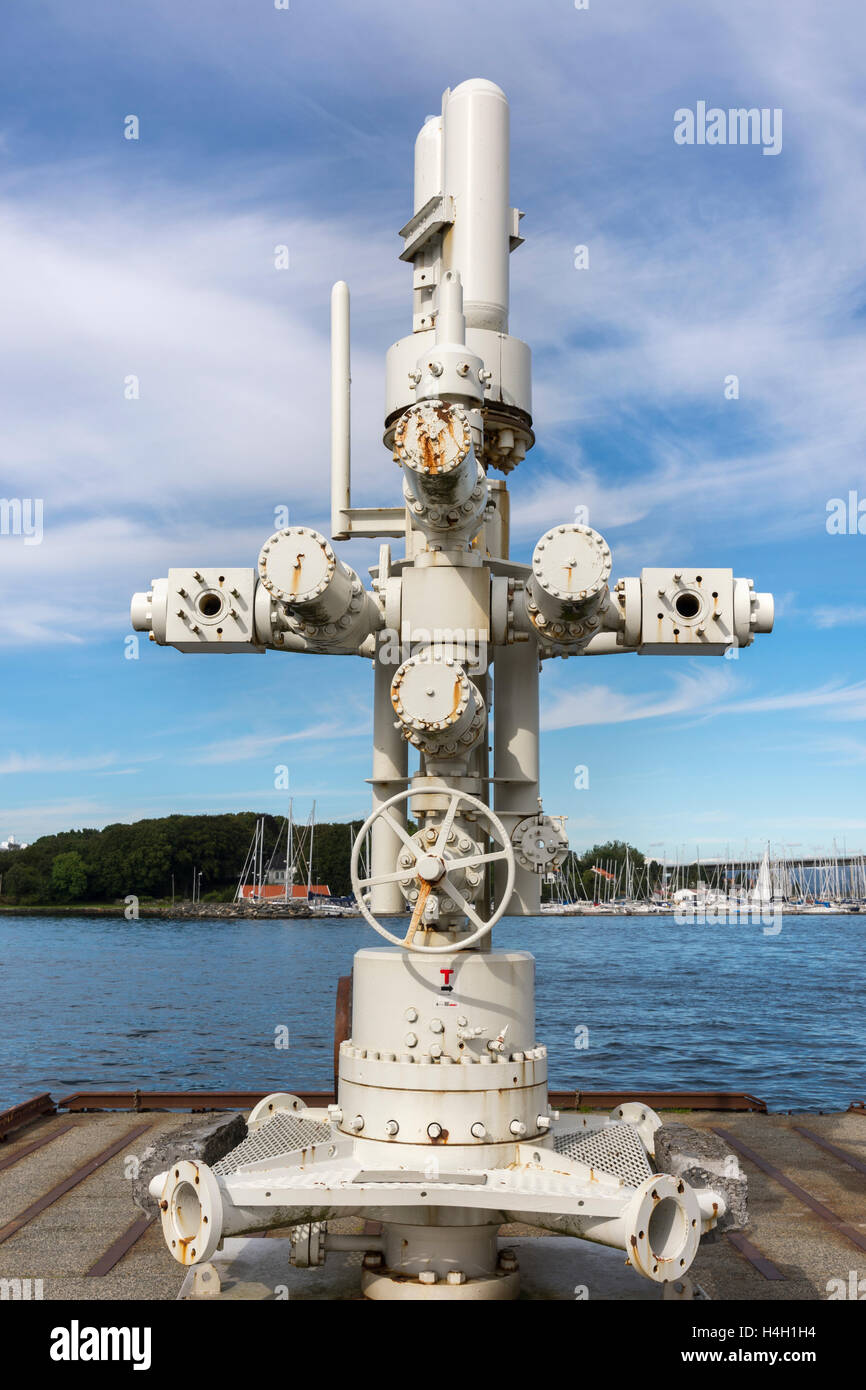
(282, 910)
(216, 911)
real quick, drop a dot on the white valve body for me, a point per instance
(406, 1062)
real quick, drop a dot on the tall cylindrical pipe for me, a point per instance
(390, 772)
(340, 410)
(477, 244)
(515, 755)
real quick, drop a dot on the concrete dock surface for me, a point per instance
(67, 1219)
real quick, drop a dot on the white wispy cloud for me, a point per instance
(700, 694)
(849, 615)
(244, 747)
(14, 763)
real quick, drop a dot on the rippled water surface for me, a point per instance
(100, 1003)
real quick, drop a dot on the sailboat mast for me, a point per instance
(310, 860)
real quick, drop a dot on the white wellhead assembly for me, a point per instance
(442, 1129)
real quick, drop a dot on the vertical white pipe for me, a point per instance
(390, 768)
(340, 410)
(476, 120)
(450, 319)
(515, 755)
(428, 162)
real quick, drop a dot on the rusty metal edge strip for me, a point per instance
(663, 1100)
(24, 1112)
(831, 1148)
(8, 1161)
(836, 1222)
(74, 1178)
(754, 1256)
(177, 1100)
(239, 1100)
(116, 1252)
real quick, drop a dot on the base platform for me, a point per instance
(68, 1221)
(555, 1269)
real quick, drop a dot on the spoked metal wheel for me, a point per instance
(434, 867)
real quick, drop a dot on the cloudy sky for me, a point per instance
(155, 258)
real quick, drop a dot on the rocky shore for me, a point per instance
(185, 909)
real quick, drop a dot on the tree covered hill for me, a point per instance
(107, 865)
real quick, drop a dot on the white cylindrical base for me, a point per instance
(442, 1065)
(398, 996)
(441, 1262)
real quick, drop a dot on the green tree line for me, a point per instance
(104, 866)
(107, 865)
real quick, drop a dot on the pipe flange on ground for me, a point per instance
(437, 704)
(640, 1117)
(308, 1245)
(191, 1210)
(662, 1223)
(540, 844)
(570, 569)
(278, 1103)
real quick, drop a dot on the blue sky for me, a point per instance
(155, 258)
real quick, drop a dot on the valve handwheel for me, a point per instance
(433, 867)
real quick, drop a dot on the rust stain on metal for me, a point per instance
(429, 453)
(432, 448)
(455, 703)
(423, 894)
(658, 1100)
(24, 1112)
(197, 1101)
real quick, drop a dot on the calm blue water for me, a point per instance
(101, 1003)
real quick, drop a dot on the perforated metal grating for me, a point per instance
(279, 1135)
(616, 1149)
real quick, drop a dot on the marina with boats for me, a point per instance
(818, 884)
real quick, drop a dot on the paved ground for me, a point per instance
(792, 1250)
